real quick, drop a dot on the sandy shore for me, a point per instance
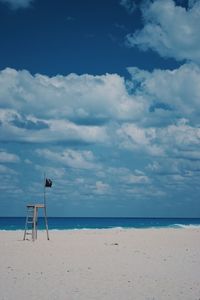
(101, 264)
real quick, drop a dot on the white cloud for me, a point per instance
(170, 30)
(124, 177)
(140, 193)
(6, 157)
(58, 114)
(179, 89)
(63, 108)
(176, 141)
(28, 161)
(70, 158)
(191, 3)
(140, 139)
(137, 178)
(84, 98)
(33, 130)
(15, 4)
(53, 172)
(80, 180)
(101, 188)
(155, 115)
(166, 166)
(6, 171)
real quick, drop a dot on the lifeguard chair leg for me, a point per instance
(46, 223)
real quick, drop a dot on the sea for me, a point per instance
(66, 223)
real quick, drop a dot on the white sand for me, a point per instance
(101, 264)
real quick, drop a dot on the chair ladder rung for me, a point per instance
(32, 218)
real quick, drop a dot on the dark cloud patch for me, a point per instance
(28, 124)
(159, 105)
(92, 121)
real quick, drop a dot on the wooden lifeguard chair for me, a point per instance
(31, 224)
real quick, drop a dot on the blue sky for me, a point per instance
(103, 96)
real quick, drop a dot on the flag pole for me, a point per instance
(45, 210)
(44, 190)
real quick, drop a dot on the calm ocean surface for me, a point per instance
(16, 223)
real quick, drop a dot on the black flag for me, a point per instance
(48, 183)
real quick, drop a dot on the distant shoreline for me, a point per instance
(75, 223)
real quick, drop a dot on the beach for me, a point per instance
(101, 264)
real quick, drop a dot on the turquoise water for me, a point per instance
(16, 223)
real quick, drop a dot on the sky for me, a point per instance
(102, 97)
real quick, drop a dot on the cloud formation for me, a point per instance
(169, 29)
(85, 108)
(176, 140)
(27, 128)
(63, 108)
(83, 99)
(129, 143)
(16, 4)
(129, 5)
(70, 158)
(101, 188)
(155, 113)
(6, 157)
(107, 136)
(171, 94)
